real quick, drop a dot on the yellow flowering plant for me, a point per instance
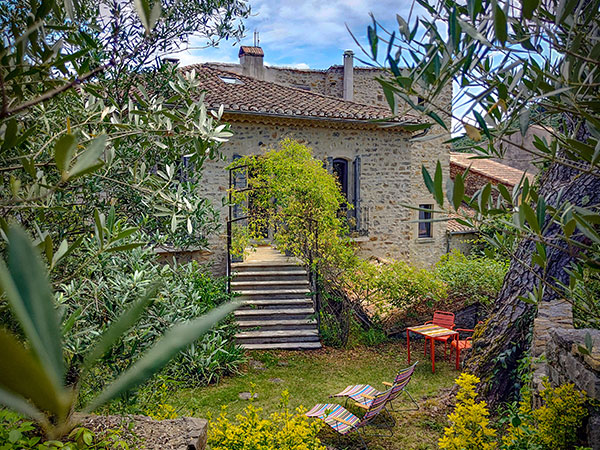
(470, 426)
(561, 416)
(283, 430)
(163, 410)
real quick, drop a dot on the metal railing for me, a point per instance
(310, 251)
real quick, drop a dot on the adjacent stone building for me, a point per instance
(481, 172)
(341, 114)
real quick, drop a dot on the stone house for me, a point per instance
(481, 172)
(333, 111)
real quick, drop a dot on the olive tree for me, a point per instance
(92, 147)
(515, 63)
(86, 124)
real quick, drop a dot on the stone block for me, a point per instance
(198, 433)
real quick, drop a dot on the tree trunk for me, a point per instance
(506, 336)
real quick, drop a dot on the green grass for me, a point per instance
(311, 376)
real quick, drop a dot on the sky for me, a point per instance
(304, 33)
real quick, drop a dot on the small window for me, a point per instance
(424, 221)
(231, 80)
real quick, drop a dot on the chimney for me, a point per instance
(251, 60)
(348, 75)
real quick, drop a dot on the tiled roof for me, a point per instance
(501, 173)
(253, 51)
(241, 94)
(454, 227)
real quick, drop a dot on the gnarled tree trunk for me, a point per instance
(506, 336)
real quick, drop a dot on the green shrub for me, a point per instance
(396, 284)
(553, 426)
(33, 376)
(112, 281)
(470, 425)
(472, 279)
(560, 417)
(373, 336)
(283, 430)
(17, 433)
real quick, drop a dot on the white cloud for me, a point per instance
(311, 31)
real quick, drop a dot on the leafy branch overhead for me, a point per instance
(32, 378)
(518, 67)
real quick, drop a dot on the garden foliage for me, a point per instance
(470, 279)
(394, 284)
(552, 426)
(470, 424)
(17, 433)
(291, 193)
(33, 376)
(284, 430)
(110, 283)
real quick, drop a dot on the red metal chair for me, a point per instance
(443, 319)
(460, 344)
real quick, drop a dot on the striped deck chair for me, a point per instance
(344, 422)
(364, 394)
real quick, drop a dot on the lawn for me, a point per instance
(311, 376)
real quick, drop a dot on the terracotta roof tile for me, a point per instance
(241, 93)
(454, 227)
(501, 173)
(253, 51)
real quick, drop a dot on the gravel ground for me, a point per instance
(142, 432)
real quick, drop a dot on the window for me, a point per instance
(231, 80)
(340, 169)
(424, 221)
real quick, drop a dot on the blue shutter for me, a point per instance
(356, 193)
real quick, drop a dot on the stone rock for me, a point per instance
(256, 365)
(247, 395)
(187, 433)
(198, 433)
(276, 380)
(593, 431)
(283, 363)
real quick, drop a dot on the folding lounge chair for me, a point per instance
(344, 422)
(364, 393)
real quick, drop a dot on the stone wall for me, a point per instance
(474, 180)
(463, 242)
(566, 364)
(518, 150)
(557, 342)
(390, 177)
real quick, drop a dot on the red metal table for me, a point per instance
(431, 331)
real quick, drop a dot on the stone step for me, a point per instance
(274, 313)
(300, 271)
(276, 324)
(284, 346)
(265, 266)
(275, 336)
(249, 294)
(240, 286)
(270, 303)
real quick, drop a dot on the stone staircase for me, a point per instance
(278, 310)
